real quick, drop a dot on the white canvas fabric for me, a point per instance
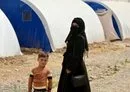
(117, 0)
(121, 13)
(56, 16)
(106, 20)
(9, 45)
(114, 0)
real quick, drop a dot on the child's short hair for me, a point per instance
(43, 54)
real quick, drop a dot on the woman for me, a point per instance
(73, 63)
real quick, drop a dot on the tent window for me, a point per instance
(26, 15)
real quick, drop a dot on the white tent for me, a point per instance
(114, 0)
(105, 17)
(121, 13)
(56, 16)
(9, 45)
(117, 0)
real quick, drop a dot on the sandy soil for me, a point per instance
(108, 67)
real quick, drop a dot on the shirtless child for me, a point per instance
(40, 78)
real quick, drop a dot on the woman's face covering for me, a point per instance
(74, 28)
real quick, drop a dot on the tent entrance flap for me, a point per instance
(105, 17)
(113, 24)
(32, 29)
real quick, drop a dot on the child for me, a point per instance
(41, 78)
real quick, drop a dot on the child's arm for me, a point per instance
(49, 76)
(30, 80)
(49, 83)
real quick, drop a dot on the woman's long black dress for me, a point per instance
(73, 61)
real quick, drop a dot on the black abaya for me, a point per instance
(73, 61)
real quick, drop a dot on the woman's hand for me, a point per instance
(68, 71)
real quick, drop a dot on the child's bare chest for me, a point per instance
(40, 75)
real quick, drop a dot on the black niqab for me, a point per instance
(74, 31)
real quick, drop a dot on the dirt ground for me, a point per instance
(108, 67)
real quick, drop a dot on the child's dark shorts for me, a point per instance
(40, 90)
